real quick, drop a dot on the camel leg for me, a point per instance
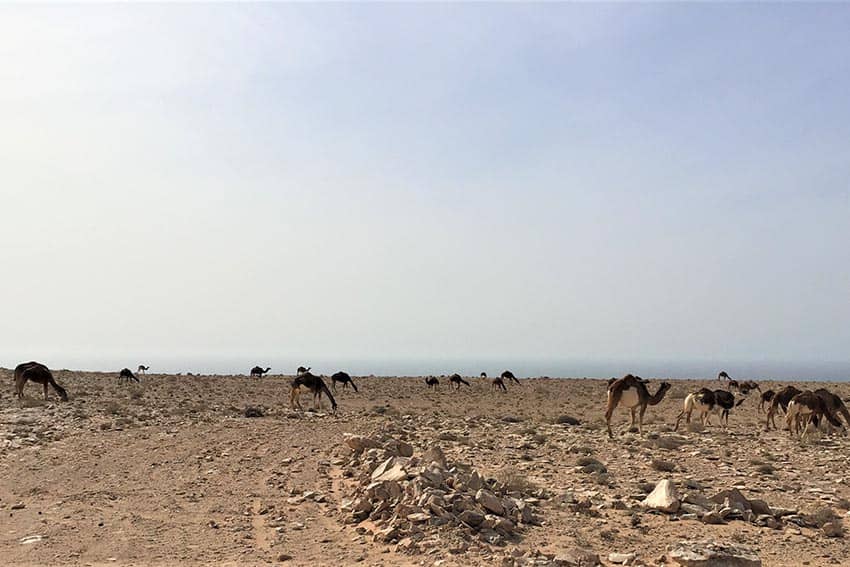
(608, 413)
(632, 424)
(640, 418)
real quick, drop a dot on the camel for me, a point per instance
(432, 382)
(313, 383)
(766, 398)
(456, 380)
(723, 376)
(38, 373)
(631, 392)
(127, 374)
(142, 369)
(258, 371)
(810, 408)
(498, 383)
(780, 400)
(707, 401)
(744, 387)
(508, 375)
(301, 370)
(834, 405)
(344, 378)
(483, 375)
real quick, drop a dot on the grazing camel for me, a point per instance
(456, 380)
(766, 398)
(498, 383)
(834, 405)
(127, 374)
(38, 373)
(142, 369)
(630, 391)
(780, 401)
(809, 408)
(344, 378)
(508, 375)
(301, 370)
(313, 383)
(723, 376)
(432, 382)
(258, 371)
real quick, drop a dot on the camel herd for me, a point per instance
(804, 410)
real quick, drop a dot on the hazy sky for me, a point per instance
(593, 181)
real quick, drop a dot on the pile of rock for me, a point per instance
(729, 505)
(401, 498)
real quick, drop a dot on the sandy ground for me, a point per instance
(172, 473)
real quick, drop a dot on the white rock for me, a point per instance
(663, 498)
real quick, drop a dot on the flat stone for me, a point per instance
(712, 554)
(577, 557)
(490, 502)
(621, 558)
(389, 470)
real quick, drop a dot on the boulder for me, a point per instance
(471, 518)
(435, 455)
(711, 554)
(359, 443)
(490, 502)
(389, 470)
(663, 498)
(577, 557)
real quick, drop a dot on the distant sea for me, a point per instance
(533, 367)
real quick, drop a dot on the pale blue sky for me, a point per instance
(388, 181)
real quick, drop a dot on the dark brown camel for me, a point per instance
(314, 384)
(142, 369)
(301, 370)
(631, 392)
(766, 398)
(809, 408)
(432, 382)
(498, 383)
(258, 371)
(344, 378)
(780, 401)
(456, 380)
(508, 375)
(127, 374)
(38, 373)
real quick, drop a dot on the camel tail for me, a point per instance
(330, 396)
(59, 390)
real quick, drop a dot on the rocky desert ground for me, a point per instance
(173, 471)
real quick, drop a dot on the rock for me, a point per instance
(251, 411)
(732, 499)
(418, 517)
(359, 443)
(389, 470)
(621, 558)
(490, 502)
(712, 518)
(760, 507)
(567, 420)
(711, 554)
(435, 455)
(471, 518)
(31, 539)
(284, 557)
(576, 557)
(18, 506)
(405, 449)
(833, 529)
(475, 481)
(663, 498)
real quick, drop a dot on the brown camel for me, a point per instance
(809, 408)
(344, 378)
(631, 392)
(780, 401)
(142, 369)
(508, 375)
(432, 382)
(313, 383)
(38, 373)
(766, 398)
(456, 380)
(127, 374)
(498, 383)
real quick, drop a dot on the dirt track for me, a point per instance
(172, 473)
